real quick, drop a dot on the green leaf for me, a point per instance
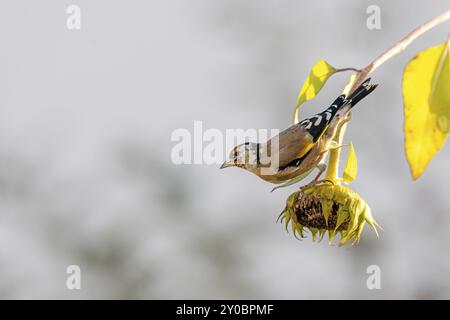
(426, 93)
(351, 168)
(319, 74)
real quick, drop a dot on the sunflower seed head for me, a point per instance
(328, 208)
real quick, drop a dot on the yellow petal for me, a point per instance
(426, 93)
(342, 215)
(351, 168)
(321, 234)
(288, 219)
(326, 209)
(331, 234)
(318, 75)
(314, 233)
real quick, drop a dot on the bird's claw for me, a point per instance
(316, 182)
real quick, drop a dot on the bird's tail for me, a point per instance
(318, 123)
(361, 92)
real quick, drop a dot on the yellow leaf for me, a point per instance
(426, 94)
(351, 168)
(319, 74)
(439, 99)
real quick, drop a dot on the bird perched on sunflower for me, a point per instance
(295, 152)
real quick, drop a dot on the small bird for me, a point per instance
(294, 153)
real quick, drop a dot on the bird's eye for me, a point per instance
(236, 154)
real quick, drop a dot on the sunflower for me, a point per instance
(327, 207)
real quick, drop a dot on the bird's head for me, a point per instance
(243, 156)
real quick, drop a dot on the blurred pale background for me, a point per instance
(85, 170)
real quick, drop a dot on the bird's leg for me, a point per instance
(322, 167)
(334, 145)
(293, 180)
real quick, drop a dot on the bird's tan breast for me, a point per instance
(316, 155)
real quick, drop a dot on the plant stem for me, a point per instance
(347, 69)
(361, 75)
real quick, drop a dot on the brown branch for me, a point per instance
(361, 75)
(398, 47)
(347, 69)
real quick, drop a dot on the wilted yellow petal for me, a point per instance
(321, 234)
(426, 90)
(288, 219)
(370, 220)
(342, 215)
(326, 209)
(319, 74)
(351, 168)
(331, 234)
(314, 233)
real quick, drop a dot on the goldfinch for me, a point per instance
(291, 155)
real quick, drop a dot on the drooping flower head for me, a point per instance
(331, 208)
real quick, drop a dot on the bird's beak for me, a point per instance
(227, 164)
